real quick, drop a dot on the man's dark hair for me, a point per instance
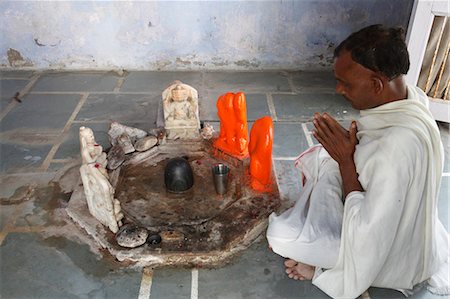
(378, 48)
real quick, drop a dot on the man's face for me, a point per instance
(354, 82)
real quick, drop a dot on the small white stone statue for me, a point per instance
(97, 188)
(207, 132)
(91, 151)
(180, 106)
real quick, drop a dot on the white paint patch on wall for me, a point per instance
(184, 35)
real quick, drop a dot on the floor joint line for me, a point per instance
(119, 84)
(68, 124)
(284, 158)
(291, 82)
(10, 224)
(194, 284)
(146, 284)
(22, 93)
(271, 106)
(307, 135)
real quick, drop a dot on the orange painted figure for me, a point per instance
(260, 149)
(233, 137)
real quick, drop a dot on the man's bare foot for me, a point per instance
(298, 271)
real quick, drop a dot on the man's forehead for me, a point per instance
(344, 59)
(344, 63)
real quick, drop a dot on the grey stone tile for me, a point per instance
(121, 284)
(385, 293)
(313, 80)
(376, 293)
(44, 207)
(9, 88)
(255, 82)
(257, 273)
(256, 106)
(6, 215)
(171, 283)
(16, 74)
(59, 268)
(301, 107)
(121, 108)
(22, 158)
(18, 184)
(56, 166)
(40, 111)
(289, 140)
(156, 82)
(207, 106)
(78, 81)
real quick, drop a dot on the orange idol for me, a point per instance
(233, 137)
(260, 149)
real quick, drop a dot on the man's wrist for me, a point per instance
(349, 176)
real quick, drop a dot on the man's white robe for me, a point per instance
(387, 236)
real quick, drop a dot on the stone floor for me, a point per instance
(44, 255)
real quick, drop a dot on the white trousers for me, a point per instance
(310, 231)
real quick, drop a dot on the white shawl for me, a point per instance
(391, 236)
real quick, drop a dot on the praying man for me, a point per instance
(367, 215)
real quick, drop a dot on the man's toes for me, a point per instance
(290, 263)
(292, 271)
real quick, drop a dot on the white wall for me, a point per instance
(184, 35)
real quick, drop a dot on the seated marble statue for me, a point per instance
(368, 213)
(180, 106)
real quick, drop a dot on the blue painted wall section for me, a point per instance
(185, 35)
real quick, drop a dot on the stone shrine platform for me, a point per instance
(199, 228)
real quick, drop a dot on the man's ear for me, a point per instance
(378, 84)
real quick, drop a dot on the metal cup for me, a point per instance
(220, 176)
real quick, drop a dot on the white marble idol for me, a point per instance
(97, 188)
(180, 106)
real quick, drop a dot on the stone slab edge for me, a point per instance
(79, 212)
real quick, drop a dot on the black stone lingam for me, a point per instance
(178, 175)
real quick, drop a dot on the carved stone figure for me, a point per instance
(260, 149)
(91, 151)
(97, 188)
(180, 106)
(233, 136)
(100, 197)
